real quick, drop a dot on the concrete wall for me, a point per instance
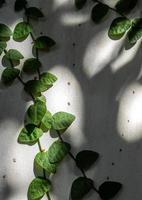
(99, 81)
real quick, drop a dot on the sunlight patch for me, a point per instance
(129, 122)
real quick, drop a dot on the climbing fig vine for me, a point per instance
(120, 26)
(38, 119)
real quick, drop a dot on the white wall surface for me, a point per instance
(105, 94)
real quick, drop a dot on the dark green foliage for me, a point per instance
(44, 43)
(21, 31)
(80, 4)
(99, 11)
(38, 188)
(14, 54)
(30, 134)
(9, 75)
(124, 6)
(3, 46)
(5, 32)
(42, 159)
(85, 159)
(57, 151)
(119, 27)
(80, 187)
(34, 13)
(135, 32)
(109, 189)
(20, 5)
(31, 65)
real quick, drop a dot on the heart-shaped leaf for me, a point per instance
(80, 187)
(3, 46)
(5, 32)
(99, 11)
(14, 54)
(109, 189)
(119, 27)
(135, 32)
(38, 188)
(85, 159)
(57, 151)
(22, 31)
(62, 120)
(31, 65)
(46, 122)
(30, 134)
(47, 79)
(44, 43)
(9, 75)
(125, 7)
(34, 12)
(20, 5)
(35, 113)
(80, 4)
(42, 159)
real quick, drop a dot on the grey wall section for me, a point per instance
(99, 81)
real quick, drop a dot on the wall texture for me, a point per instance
(99, 81)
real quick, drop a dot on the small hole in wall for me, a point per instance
(4, 176)
(73, 44)
(73, 64)
(112, 163)
(69, 103)
(79, 25)
(133, 92)
(14, 160)
(69, 83)
(128, 121)
(120, 150)
(107, 178)
(41, 33)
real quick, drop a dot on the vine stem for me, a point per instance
(74, 159)
(39, 75)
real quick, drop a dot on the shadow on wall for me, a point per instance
(108, 91)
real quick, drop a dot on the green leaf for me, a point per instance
(34, 12)
(31, 65)
(124, 6)
(30, 134)
(119, 27)
(21, 31)
(46, 122)
(85, 159)
(20, 5)
(38, 188)
(9, 75)
(37, 86)
(3, 46)
(33, 87)
(14, 54)
(135, 32)
(57, 151)
(7, 63)
(62, 120)
(41, 98)
(47, 80)
(109, 189)
(5, 32)
(44, 43)
(42, 159)
(80, 4)
(98, 13)
(35, 113)
(80, 187)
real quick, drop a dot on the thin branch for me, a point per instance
(74, 159)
